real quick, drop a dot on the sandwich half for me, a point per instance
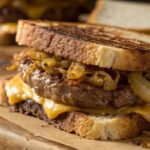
(86, 79)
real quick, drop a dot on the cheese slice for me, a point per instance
(144, 111)
(18, 91)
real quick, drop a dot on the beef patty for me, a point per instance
(84, 95)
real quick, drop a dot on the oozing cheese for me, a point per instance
(18, 91)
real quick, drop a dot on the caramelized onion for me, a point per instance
(12, 67)
(76, 71)
(49, 62)
(65, 64)
(72, 70)
(140, 85)
(31, 68)
(37, 55)
(103, 79)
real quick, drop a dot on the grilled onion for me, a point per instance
(76, 71)
(140, 85)
(49, 62)
(65, 64)
(12, 67)
(31, 68)
(37, 55)
(103, 79)
(72, 70)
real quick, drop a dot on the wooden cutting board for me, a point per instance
(21, 132)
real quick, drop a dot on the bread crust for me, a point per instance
(103, 127)
(63, 40)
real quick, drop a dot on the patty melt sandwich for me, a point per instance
(90, 80)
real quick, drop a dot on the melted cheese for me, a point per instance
(53, 110)
(144, 111)
(18, 91)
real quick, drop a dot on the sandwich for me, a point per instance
(87, 79)
(13, 10)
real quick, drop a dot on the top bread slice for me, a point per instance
(100, 45)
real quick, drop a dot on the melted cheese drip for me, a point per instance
(18, 91)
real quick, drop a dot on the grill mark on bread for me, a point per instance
(81, 50)
(103, 37)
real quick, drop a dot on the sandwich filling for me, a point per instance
(60, 86)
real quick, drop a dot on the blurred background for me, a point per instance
(129, 14)
(54, 10)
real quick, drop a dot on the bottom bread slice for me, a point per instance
(89, 126)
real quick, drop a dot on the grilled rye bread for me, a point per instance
(81, 78)
(98, 45)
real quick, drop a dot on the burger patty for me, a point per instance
(84, 95)
(10, 14)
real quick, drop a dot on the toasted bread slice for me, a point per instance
(89, 126)
(104, 46)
